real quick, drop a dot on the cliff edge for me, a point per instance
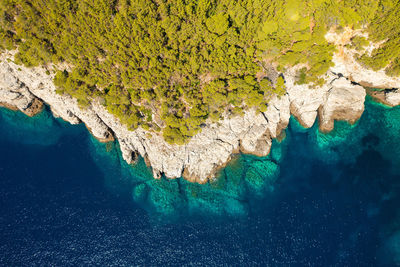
(340, 98)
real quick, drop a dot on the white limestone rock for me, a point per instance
(304, 100)
(344, 101)
(393, 97)
(12, 91)
(35, 81)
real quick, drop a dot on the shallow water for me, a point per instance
(66, 199)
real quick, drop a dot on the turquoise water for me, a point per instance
(317, 199)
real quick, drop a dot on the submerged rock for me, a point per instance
(262, 174)
(139, 192)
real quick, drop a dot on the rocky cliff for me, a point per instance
(340, 98)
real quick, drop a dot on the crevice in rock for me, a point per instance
(265, 117)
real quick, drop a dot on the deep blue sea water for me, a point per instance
(317, 200)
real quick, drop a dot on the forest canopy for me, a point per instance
(170, 65)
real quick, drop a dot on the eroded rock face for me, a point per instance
(344, 101)
(214, 146)
(389, 97)
(14, 94)
(337, 99)
(304, 100)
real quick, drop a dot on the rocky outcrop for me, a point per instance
(207, 151)
(337, 99)
(25, 86)
(197, 161)
(344, 101)
(389, 97)
(16, 94)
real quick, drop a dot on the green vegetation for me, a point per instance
(385, 26)
(181, 62)
(358, 43)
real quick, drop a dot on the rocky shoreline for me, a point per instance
(341, 98)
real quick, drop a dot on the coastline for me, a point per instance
(34, 108)
(263, 146)
(340, 98)
(9, 106)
